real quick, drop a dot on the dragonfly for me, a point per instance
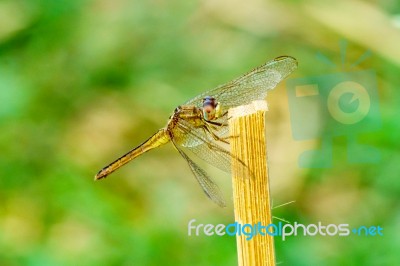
(199, 128)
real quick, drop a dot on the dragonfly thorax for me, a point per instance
(211, 108)
(188, 113)
(176, 111)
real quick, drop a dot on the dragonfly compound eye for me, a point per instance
(209, 101)
(208, 112)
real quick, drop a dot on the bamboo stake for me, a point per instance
(251, 196)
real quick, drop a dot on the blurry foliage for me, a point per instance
(81, 82)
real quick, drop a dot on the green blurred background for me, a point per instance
(82, 82)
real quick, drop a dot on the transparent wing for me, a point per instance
(251, 86)
(207, 184)
(199, 142)
(206, 147)
(200, 135)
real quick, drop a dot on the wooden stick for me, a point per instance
(251, 196)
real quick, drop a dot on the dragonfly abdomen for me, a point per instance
(160, 138)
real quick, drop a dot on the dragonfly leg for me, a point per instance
(217, 123)
(224, 114)
(215, 137)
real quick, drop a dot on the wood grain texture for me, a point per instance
(251, 186)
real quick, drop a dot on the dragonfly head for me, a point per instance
(210, 108)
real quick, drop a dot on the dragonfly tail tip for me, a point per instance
(100, 175)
